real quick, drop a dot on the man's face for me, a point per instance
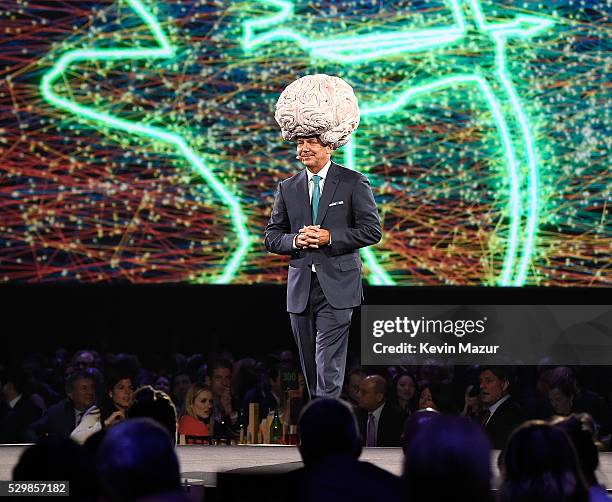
(180, 385)
(221, 380)
(561, 403)
(83, 393)
(313, 153)
(353, 386)
(369, 399)
(492, 389)
(85, 360)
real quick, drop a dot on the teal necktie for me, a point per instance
(315, 198)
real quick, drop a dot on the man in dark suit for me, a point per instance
(379, 423)
(324, 281)
(502, 415)
(17, 410)
(61, 418)
(321, 217)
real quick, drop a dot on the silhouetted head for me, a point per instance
(137, 458)
(449, 458)
(54, 458)
(581, 430)
(540, 464)
(157, 405)
(415, 423)
(328, 428)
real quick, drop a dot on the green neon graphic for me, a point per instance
(165, 50)
(496, 87)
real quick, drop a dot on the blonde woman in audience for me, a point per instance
(197, 417)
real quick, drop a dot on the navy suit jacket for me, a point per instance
(390, 426)
(348, 211)
(59, 420)
(501, 424)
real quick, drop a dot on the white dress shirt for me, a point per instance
(323, 174)
(14, 401)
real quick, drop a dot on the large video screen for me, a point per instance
(138, 142)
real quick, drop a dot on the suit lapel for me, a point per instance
(329, 188)
(302, 195)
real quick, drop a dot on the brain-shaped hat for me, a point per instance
(318, 105)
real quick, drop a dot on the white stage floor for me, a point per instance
(200, 464)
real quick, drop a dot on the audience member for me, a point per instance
(472, 405)
(83, 360)
(157, 405)
(246, 377)
(502, 415)
(179, 384)
(437, 396)
(162, 382)
(119, 398)
(196, 420)
(539, 464)
(136, 459)
(61, 418)
(225, 413)
(268, 393)
(581, 430)
(415, 423)
(353, 380)
(17, 410)
(380, 424)
(567, 397)
(448, 458)
(56, 458)
(403, 394)
(330, 447)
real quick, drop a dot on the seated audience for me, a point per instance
(330, 447)
(539, 464)
(61, 418)
(448, 458)
(379, 423)
(501, 415)
(136, 459)
(580, 428)
(197, 417)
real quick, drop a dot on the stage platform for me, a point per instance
(200, 464)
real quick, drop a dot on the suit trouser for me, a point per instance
(321, 334)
